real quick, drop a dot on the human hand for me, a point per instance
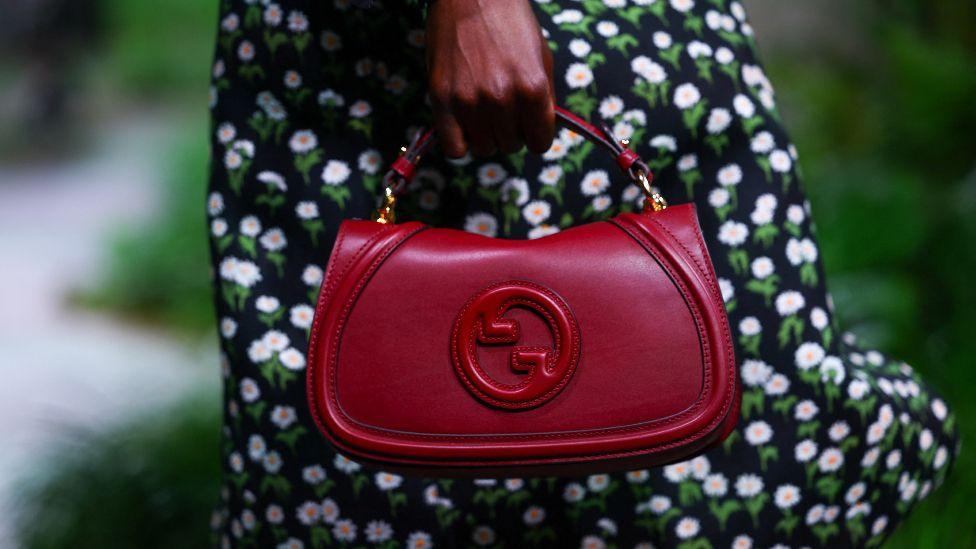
(490, 77)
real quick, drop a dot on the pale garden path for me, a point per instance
(66, 370)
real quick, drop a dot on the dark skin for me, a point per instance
(489, 74)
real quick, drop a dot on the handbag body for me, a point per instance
(601, 347)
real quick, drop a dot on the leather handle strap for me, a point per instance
(405, 166)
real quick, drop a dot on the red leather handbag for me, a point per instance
(602, 347)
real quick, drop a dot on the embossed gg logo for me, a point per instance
(482, 321)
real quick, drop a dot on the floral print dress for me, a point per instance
(311, 99)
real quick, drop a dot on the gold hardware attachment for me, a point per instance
(386, 214)
(657, 201)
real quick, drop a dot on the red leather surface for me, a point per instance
(602, 344)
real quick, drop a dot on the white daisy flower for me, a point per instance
(830, 460)
(303, 141)
(666, 142)
(301, 316)
(780, 161)
(258, 351)
(839, 431)
(688, 527)
(698, 49)
(682, 5)
(387, 481)
(283, 416)
(594, 182)
(649, 70)
(795, 214)
(742, 541)
(483, 536)
(808, 355)
(534, 515)
(732, 233)
(806, 410)
(659, 504)
(718, 197)
(230, 23)
(724, 55)
(758, 433)
(598, 483)
(481, 223)
(729, 175)
(676, 472)
(267, 304)
(245, 51)
(378, 531)
(308, 513)
(832, 369)
(276, 340)
(601, 203)
(574, 492)
(541, 231)
(218, 227)
(743, 106)
(718, 121)
(662, 40)
(344, 530)
(579, 47)
(256, 447)
(750, 326)
(607, 29)
(786, 496)
(686, 96)
(274, 179)
(726, 288)
(700, 467)
(313, 474)
(335, 172)
(272, 462)
(292, 359)
(789, 302)
(250, 391)
(360, 109)
(567, 16)
(715, 485)
(579, 75)
(344, 464)
(755, 372)
(536, 212)
(273, 239)
(761, 216)
(330, 511)
(491, 174)
(748, 485)
(292, 79)
(611, 106)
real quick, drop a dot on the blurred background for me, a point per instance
(109, 404)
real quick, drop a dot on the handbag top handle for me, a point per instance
(403, 168)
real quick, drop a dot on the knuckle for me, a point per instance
(464, 99)
(534, 90)
(440, 94)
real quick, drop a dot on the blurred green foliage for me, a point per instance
(158, 49)
(159, 273)
(887, 149)
(160, 53)
(149, 483)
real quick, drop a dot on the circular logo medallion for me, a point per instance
(547, 369)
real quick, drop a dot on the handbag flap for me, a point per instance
(440, 346)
